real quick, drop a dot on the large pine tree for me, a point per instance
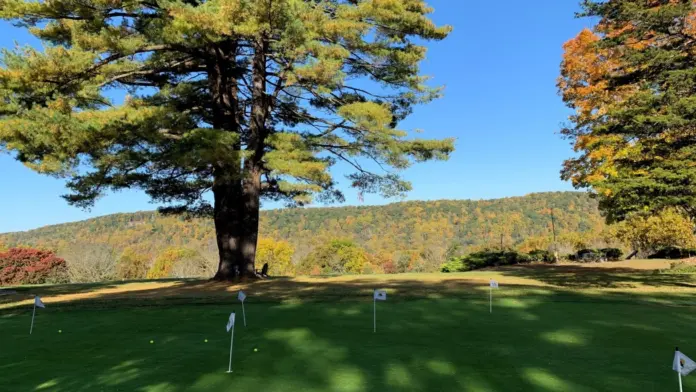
(632, 83)
(246, 99)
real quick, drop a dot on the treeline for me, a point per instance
(399, 228)
(667, 234)
(99, 263)
(401, 237)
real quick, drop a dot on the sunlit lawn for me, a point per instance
(543, 337)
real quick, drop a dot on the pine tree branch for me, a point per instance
(118, 56)
(172, 67)
(350, 162)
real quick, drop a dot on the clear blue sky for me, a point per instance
(499, 67)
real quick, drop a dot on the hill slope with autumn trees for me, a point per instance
(414, 235)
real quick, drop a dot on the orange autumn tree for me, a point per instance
(631, 81)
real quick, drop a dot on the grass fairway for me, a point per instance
(560, 328)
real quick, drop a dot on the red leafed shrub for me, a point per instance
(389, 267)
(31, 266)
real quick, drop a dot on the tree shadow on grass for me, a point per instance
(531, 279)
(153, 293)
(318, 337)
(578, 277)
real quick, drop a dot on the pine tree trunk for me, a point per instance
(236, 229)
(228, 223)
(237, 190)
(235, 215)
(250, 224)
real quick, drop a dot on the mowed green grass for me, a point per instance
(536, 339)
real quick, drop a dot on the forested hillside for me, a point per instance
(420, 228)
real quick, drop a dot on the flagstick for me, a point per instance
(32, 318)
(677, 355)
(679, 366)
(229, 369)
(490, 299)
(374, 304)
(680, 382)
(244, 314)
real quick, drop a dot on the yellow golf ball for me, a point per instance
(60, 331)
(256, 349)
(152, 341)
(206, 340)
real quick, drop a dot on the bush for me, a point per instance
(454, 265)
(596, 255)
(389, 267)
(539, 255)
(673, 253)
(132, 265)
(588, 256)
(31, 266)
(612, 254)
(484, 259)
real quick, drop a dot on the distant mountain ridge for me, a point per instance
(410, 226)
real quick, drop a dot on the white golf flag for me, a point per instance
(37, 304)
(230, 322)
(494, 284)
(241, 296)
(683, 364)
(380, 295)
(230, 327)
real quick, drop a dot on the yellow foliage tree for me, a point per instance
(535, 243)
(132, 264)
(278, 255)
(370, 269)
(335, 257)
(670, 227)
(165, 262)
